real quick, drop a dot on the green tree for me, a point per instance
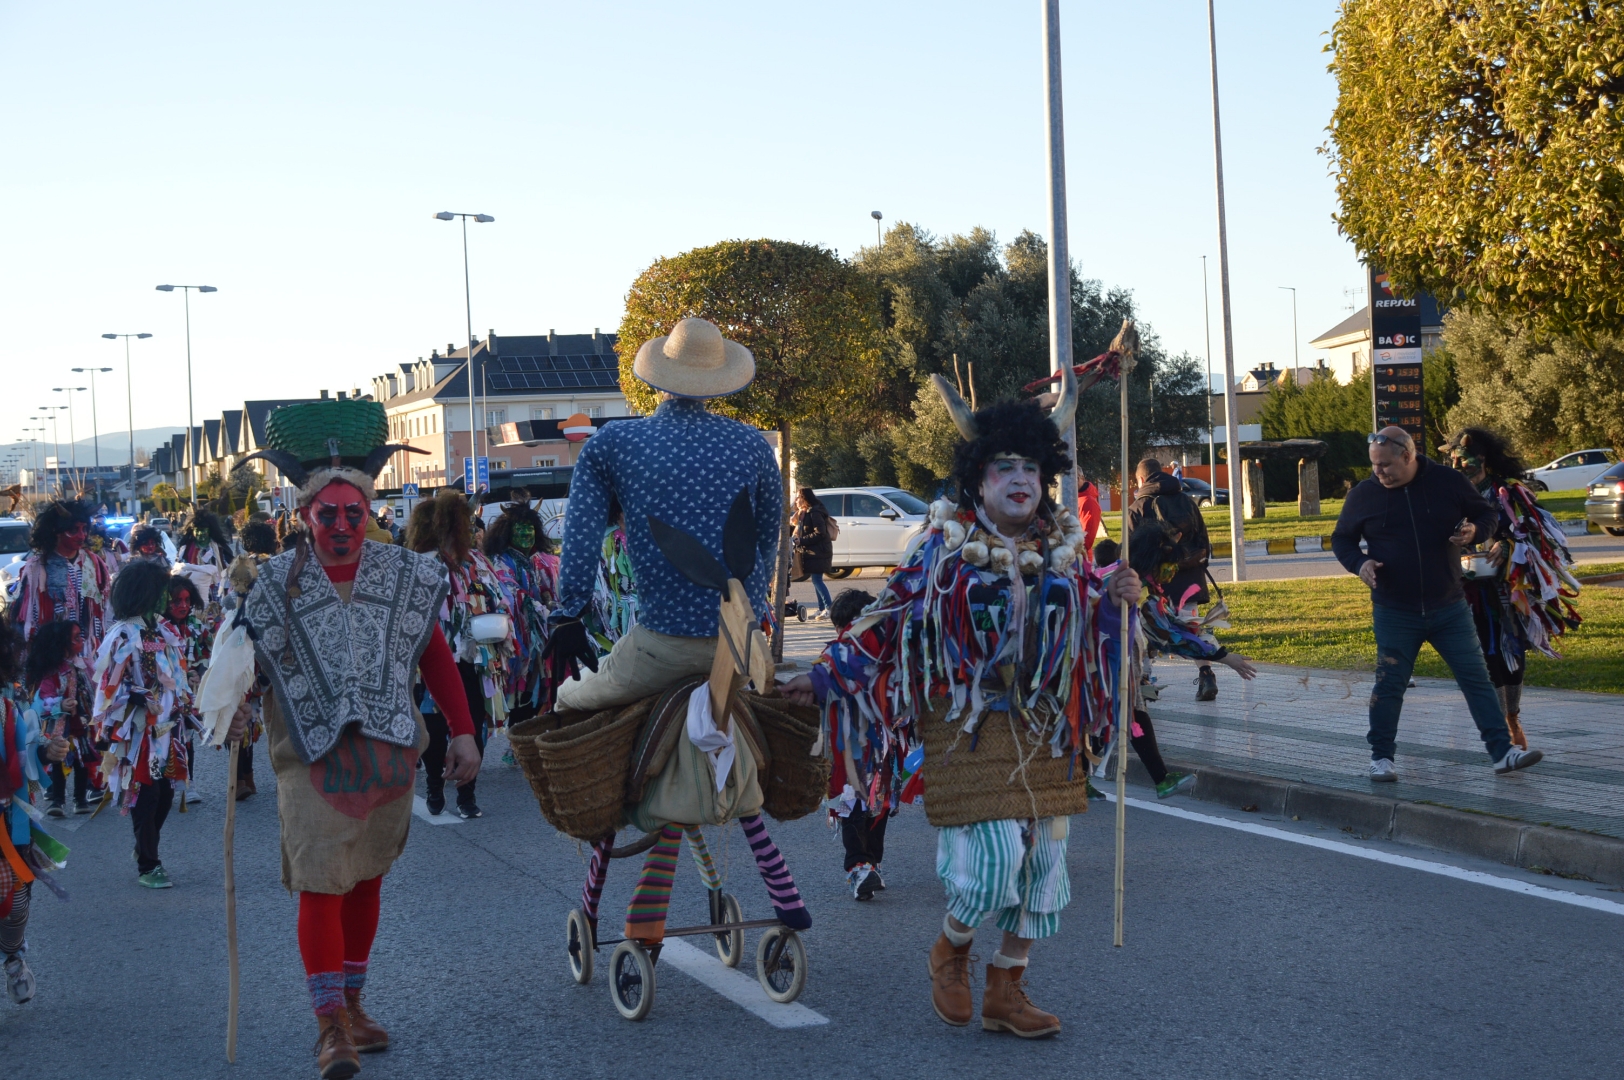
(811, 320)
(1549, 394)
(1479, 151)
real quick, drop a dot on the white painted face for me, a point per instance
(1011, 489)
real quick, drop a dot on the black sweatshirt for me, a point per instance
(1407, 530)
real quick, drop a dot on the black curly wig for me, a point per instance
(11, 649)
(54, 520)
(1489, 447)
(144, 534)
(259, 538)
(140, 589)
(48, 650)
(499, 535)
(1010, 427)
(209, 523)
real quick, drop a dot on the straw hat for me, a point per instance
(695, 361)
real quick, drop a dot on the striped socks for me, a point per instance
(702, 858)
(326, 991)
(645, 916)
(786, 898)
(355, 976)
(597, 870)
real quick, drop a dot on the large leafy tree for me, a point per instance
(1479, 151)
(1550, 394)
(811, 320)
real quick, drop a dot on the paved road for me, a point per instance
(1592, 547)
(1247, 955)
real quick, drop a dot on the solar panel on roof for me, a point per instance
(554, 380)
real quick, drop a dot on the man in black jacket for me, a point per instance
(1414, 516)
(1160, 496)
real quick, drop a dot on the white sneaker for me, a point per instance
(1518, 759)
(1382, 771)
(192, 797)
(19, 980)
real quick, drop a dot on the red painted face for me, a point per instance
(337, 519)
(180, 607)
(71, 539)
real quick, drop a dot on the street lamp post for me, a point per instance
(1294, 358)
(191, 449)
(129, 400)
(73, 444)
(1237, 526)
(1212, 446)
(879, 239)
(95, 421)
(468, 312)
(56, 443)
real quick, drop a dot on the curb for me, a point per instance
(1566, 852)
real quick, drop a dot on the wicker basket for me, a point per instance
(522, 737)
(793, 782)
(586, 765)
(981, 777)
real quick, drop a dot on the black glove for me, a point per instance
(569, 648)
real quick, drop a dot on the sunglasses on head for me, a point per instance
(1378, 439)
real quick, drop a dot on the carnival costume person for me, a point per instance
(148, 543)
(1524, 600)
(444, 526)
(61, 579)
(987, 647)
(527, 574)
(684, 466)
(185, 614)
(204, 554)
(613, 610)
(27, 852)
(340, 627)
(259, 543)
(57, 685)
(143, 711)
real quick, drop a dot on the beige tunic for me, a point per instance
(344, 818)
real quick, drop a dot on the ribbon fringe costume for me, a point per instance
(27, 852)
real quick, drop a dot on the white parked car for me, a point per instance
(1572, 472)
(877, 525)
(13, 549)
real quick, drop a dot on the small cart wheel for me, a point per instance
(579, 940)
(783, 975)
(730, 946)
(631, 980)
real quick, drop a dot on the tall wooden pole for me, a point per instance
(231, 903)
(1232, 441)
(1059, 253)
(1124, 674)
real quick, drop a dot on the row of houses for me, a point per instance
(528, 383)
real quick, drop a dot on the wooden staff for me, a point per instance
(231, 904)
(1126, 343)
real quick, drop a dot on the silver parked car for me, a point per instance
(877, 525)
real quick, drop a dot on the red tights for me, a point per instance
(335, 928)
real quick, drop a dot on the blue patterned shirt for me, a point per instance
(685, 465)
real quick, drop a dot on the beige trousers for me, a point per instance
(643, 662)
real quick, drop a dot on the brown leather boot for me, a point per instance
(367, 1034)
(1514, 726)
(1005, 1006)
(245, 786)
(950, 981)
(336, 1058)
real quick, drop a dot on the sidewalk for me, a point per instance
(1306, 725)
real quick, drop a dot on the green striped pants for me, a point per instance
(1013, 869)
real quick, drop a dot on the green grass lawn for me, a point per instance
(1325, 623)
(1281, 520)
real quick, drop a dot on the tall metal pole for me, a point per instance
(129, 408)
(1212, 449)
(468, 313)
(192, 446)
(1232, 441)
(1296, 360)
(1059, 255)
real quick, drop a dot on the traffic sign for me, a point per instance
(484, 475)
(409, 490)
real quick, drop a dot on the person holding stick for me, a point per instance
(987, 646)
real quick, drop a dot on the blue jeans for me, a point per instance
(823, 592)
(1399, 635)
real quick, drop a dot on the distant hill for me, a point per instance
(115, 445)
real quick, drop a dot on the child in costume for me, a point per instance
(1526, 602)
(862, 831)
(57, 685)
(528, 577)
(204, 554)
(61, 579)
(185, 614)
(444, 526)
(341, 626)
(27, 852)
(143, 711)
(986, 646)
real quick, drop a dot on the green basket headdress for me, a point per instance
(316, 442)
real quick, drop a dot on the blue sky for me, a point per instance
(293, 155)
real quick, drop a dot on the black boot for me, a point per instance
(1206, 685)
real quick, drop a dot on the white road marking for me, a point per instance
(1476, 877)
(420, 808)
(739, 988)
